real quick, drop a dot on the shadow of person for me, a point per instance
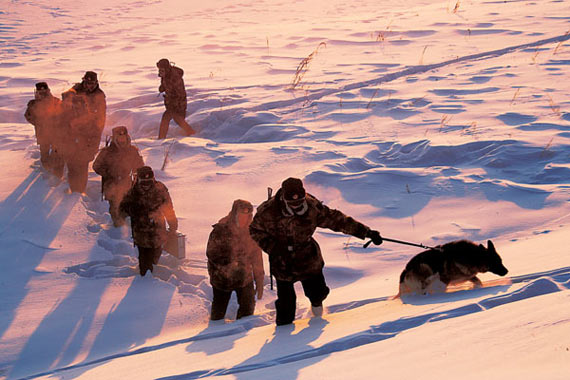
(30, 219)
(148, 299)
(285, 347)
(62, 334)
(218, 329)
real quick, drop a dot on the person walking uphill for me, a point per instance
(172, 84)
(149, 205)
(85, 107)
(44, 113)
(234, 262)
(283, 227)
(115, 164)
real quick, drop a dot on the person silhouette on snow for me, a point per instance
(234, 262)
(116, 164)
(149, 205)
(84, 112)
(44, 113)
(172, 85)
(283, 227)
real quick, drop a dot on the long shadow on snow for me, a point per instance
(383, 331)
(31, 217)
(146, 297)
(282, 339)
(542, 283)
(59, 338)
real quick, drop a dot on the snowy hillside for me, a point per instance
(430, 121)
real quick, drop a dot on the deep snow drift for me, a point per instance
(430, 121)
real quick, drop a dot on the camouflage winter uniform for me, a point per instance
(84, 112)
(293, 253)
(234, 259)
(148, 211)
(86, 120)
(45, 115)
(115, 164)
(234, 262)
(172, 85)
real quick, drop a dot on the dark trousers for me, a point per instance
(77, 172)
(245, 298)
(178, 118)
(148, 257)
(315, 288)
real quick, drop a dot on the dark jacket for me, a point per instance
(148, 211)
(234, 259)
(293, 253)
(45, 115)
(115, 164)
(84, 114)
(172, 85)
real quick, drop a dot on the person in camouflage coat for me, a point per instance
(234, 262)
(283, 227)
(172, 84)
(149, 205)
(84, 111)
(115, 164)
(44, 113)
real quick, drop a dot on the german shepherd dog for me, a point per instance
(452, 263)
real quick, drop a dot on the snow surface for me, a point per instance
(428, 120)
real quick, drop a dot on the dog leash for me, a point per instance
(401, 242)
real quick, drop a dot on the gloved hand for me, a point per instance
(375, 236)
(259, 288)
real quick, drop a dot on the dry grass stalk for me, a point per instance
(422, 56)
(456, 8)
(166, 154)
(445, 119)
(555, 107)
(547, 147)
(372, 98)
(304, 66)
(534, 56)
(559, 44)
(515, 96)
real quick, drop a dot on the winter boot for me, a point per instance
(317, 310)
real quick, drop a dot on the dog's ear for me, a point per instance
(482, 247)
(490, 245)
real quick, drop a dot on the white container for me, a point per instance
(176, 245)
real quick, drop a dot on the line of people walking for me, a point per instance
(68, 133)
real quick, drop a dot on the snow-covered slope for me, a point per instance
(430, 121)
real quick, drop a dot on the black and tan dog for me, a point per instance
(452, 263)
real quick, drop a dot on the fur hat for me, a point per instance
(120, 130)
(90, 76)
(145, 172)
(293, 189)
(42, 86)
(163, 63)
